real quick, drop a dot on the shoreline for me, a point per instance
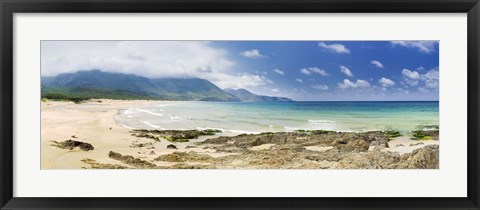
(95, 123)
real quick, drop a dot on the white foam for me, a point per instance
(173, 118)
(321, 121)
(240, 131)
(206, 128)
(150, 124)
(148, 112)
(128, 111)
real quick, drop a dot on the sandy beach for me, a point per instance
(93, 122)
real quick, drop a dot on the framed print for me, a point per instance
(239, 105)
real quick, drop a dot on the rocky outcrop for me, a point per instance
(174, 135)
(171, 146)
(287, 150)
(130, 160)
(425, 135)
(185, 157)
(423, 158)
(72, 144)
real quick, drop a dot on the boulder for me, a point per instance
(72, 144)
(171, 146)
(423, 158)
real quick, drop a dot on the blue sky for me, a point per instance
(342, 70)
(301, 70)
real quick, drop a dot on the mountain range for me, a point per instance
(100, 84)
(247, 96)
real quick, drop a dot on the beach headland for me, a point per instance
(86, 135)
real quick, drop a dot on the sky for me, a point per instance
(301, 70)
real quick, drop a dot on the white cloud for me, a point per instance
(423, 90)
(253, 53)
(320, 86)
(305, 71)
(299, 80)
(358, 84)
(411, 74)
(422, 46)
(412, 82)
(377, 64)
(238, 81)
(153, 59)
(317, 70)
(275, 90)
(278, 71)
(431, 79)
(336, 48)
(385, 82)
(346, 71)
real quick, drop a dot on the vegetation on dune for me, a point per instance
(80, 94)
(60, 97)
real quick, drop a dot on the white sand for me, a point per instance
(90, 122)
(395, 144)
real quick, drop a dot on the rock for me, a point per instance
(95, 165)
(339, 141)
(426, 158)
(152, 153)
(130, 160)
(378, 139)
(71, 144)
(399, 145)
(174, 135)
(425, 134)
(354, 146)
(171, 146)
(350, 150)
(415, 144)
(358, 161)
(185, 157)
(140, 145)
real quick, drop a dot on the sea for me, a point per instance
(256, 117)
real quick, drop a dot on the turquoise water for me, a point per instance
(251, 117)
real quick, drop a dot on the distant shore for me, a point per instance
(76, 136)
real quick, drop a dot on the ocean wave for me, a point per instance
(128, 111)
(119, 122)
(321, 121)
(148, 112)
(150, 124)
(174, 118)
(206, 128)
(241, 131)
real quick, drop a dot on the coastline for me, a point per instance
(94, 122)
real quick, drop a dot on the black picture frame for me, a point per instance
(9, 7)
